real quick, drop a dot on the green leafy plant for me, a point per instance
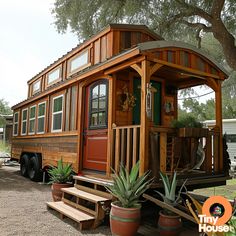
(61, 174)
(128, 187)
(171, 196)
(186, 121)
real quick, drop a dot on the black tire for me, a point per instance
(34, 171)
(24, 163)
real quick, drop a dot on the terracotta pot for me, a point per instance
(124, 221)
(56, 190)
(169, 225)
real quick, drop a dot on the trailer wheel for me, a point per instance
(24, 163)
(34, 172)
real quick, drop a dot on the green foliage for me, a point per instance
(4, 110)
(60, 174)
(128, 187)
(5, 147)
(186, 121)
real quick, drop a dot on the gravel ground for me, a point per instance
(23, 210)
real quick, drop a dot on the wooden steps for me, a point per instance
(85, 203)
(85, 220)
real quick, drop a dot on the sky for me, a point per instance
(29, 42)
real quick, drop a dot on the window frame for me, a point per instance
(16, 134)
(26, 109)
(44, 116)
(38, 90)
(87, 50)
(92, 127)
(56, 80)
(30, 119)
(58, 112)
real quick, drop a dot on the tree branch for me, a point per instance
(194, 10)
(217, 7)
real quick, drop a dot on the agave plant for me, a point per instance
(128, 187)
(170, 185)
(61, 174)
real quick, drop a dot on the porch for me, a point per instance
(145, 133)
(169, 151)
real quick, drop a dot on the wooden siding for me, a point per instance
(51, 148)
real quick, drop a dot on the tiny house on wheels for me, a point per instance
(111, 100)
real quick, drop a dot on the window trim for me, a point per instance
(15, 134)
(31, 133)
(70, 72)
(26, 109)
(58, 112)
(45, 109)
(90, 127)
(56, 80)
(38, 90)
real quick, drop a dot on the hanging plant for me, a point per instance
(127, 100)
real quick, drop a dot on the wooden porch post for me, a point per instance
(111, 95)
(144, 145)
(218, 111)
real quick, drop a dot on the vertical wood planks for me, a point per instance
(117, 149)
(163, 151)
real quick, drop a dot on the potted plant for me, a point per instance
(60, 177)
(189, 126)
(127, 188)
(169, 221)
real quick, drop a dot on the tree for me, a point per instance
(4, 110)
(172, 19)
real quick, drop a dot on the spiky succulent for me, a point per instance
(60, 174)
(128, 187)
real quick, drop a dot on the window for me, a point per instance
(41, 118)
(32, 115)
(231, 138)
(36, 86)
(171, 56)
(79, 61)
(98, 105)
(54, 76)
(15, 123)
(57, 112)
(185, 58)
(24, 121)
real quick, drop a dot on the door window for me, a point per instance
(98, 105)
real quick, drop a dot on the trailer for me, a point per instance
(111, 100)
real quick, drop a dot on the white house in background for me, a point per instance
(229, 128)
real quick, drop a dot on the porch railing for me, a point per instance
(125, 146)
(167, 147)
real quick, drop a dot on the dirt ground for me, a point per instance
(23, 210)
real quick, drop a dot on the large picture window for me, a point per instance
(41, 117)
(24, 122)
(15, 123)
(98, 105)
(57, 113)
(32, 115)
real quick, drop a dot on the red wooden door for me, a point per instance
(95, 126)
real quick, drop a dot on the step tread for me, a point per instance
(93, 180)
(69, 211)
(85, 195)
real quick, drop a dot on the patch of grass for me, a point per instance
(228, 190)
(5, 147)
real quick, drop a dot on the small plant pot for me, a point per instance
(56, 190)
(169, 225)
(124, 221)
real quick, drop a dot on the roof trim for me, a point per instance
(177, 44)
